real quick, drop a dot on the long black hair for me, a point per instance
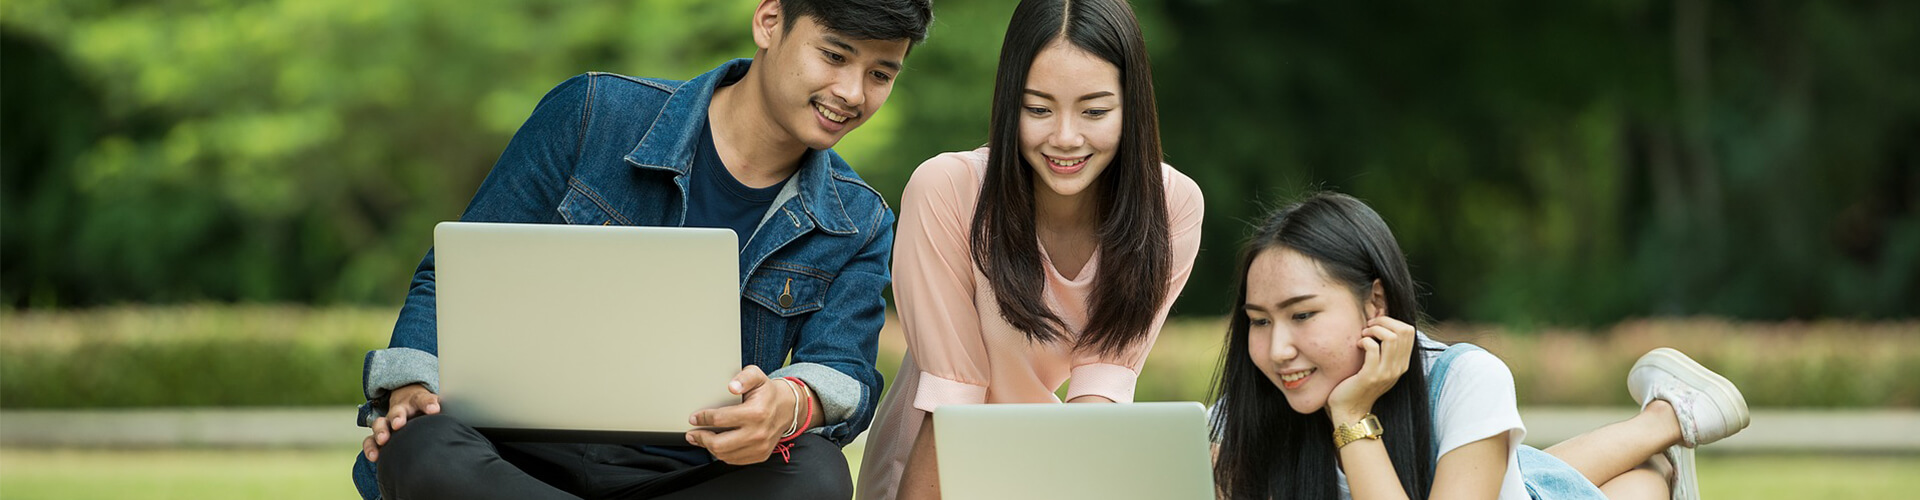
(1131, 281)
(1268, 450)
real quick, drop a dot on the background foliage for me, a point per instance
(1573, 162)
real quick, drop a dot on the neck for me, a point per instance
(754, 148)
(1064, 214)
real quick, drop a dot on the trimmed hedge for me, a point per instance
(293, 356)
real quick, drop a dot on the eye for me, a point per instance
(834, 56)
(1303, 316)
(1259, 322)
(1097, 113)
(882, 76)
(1037, 111)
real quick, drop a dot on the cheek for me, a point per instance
(1105, 136)
(1339, 356)
(1032, 133)
(1257, 347)
(877, 97)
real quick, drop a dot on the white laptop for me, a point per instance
(1073, 450)
(569, 333)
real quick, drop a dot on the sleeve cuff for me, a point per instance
(1111, 381)
(936, 391)
(838, 393)
(393, 368)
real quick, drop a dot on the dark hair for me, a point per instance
(1131, 281)
(864, 19)
(1268, 450)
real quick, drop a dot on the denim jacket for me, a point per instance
(610, 149)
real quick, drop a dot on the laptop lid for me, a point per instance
(570, 333)
(1092, 450)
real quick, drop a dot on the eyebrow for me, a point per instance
(890, 64)
(1282, 305)
(1088, 97)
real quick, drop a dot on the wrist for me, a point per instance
(1347, 415)
(1365, 427)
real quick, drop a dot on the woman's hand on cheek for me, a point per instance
(1388, 344)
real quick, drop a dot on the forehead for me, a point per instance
(1282, 273)
(1068, 72)
(810, 29)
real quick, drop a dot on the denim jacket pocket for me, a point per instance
(584, 206)
(788, 290)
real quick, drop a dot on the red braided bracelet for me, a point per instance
(797, 431)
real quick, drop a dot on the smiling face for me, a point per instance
(1303, 327)
(1069, 118)
(821, 84)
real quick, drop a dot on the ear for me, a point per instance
(1376, 300)
(767, 24)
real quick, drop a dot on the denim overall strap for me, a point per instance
(1437, 379)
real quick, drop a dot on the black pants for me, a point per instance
(437, 456)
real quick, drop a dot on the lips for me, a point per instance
(829, 114)
(1295, 379)
(1066, 166)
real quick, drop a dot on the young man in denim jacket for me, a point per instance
(744, 146)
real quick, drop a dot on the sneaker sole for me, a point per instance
(1721, 390)
(1686, 482)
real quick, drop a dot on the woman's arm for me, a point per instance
(1474, 470)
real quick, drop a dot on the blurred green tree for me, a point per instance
(1574, 162)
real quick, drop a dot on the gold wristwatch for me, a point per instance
(1367, 428)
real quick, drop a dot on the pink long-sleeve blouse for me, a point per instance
(960, 351)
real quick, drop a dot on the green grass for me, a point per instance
(176, 474)
(317, 474)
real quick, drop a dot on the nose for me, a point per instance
(850, 88)
(1280, 348)
(1066, 135)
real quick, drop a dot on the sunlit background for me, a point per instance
(216, 205)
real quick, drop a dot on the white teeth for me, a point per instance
(1295, 376)
(835, 117)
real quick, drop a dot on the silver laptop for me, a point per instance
(1059, 451)
(570, 333)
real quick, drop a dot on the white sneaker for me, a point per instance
(1709, 407)
(1685, 483)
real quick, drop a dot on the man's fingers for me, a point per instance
(729, 417)
(700, 437)
(737, 448)
(748, 379)
(370, 449)
(426, 403)
(380, 431)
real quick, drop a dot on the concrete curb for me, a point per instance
(1773, 430)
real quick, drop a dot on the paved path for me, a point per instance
(1773, 430)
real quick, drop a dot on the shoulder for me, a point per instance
(608, 93)
(618, 84)
(1468, 373)
(1185, 202)
(854, 190)
(947, 179)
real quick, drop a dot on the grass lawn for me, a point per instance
(322, 474)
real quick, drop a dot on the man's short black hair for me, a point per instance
(865, 19)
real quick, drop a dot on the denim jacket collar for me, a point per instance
(669, 145)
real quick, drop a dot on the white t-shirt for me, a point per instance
(1476, 403)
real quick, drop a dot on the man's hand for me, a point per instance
(403, 403)
(749, 430)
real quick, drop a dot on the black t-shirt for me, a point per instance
(716, 199)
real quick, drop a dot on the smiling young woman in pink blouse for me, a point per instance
(1052, 254)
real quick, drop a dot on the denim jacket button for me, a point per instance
(786, 299)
